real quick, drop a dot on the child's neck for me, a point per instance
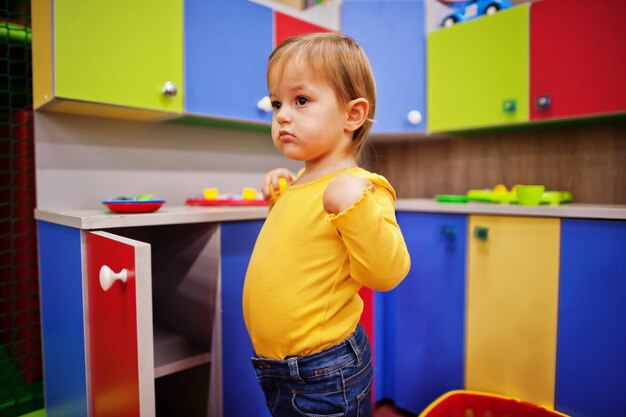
(319, 169)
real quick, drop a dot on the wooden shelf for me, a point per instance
(174, 353)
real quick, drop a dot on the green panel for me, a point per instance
(222, 123)
(119, 52)
(474, 67)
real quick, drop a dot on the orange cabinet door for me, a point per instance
(120, 326)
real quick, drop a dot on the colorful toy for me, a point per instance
(464, 10)
(282, 186)
(462, 403)
(212, 197)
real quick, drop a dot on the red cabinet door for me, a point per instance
(120, 326)
(577, 58)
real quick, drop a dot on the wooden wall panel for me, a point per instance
(588, 160)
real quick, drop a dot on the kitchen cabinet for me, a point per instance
(577, 59)
(392, 35)
(239, 378)
(422, 321)
(119, 305)
(478, 72)
(286, 26)
(127, 317)
(512, 296)
(227, 44)
(116, 58)
(592, 317)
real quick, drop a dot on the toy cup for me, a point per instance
(529, 195)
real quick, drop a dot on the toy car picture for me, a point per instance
(464, 10)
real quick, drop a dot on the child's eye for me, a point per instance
(276, 105)
(302, 100)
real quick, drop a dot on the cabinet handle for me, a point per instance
(509, 106)
(543, 102)
(481, 233)
(265, 104)
(414, 117)
(108, 277)
(169, 89)
(448, 232)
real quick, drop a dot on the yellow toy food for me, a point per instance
(248, 193)
(211, 193)
(282, 186)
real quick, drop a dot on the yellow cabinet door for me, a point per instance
(512, 303)
(116, 58)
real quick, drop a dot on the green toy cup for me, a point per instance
(529, 195)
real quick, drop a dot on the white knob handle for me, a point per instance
(265, 104)
(108, 277)
(169, 89)
(414, 117)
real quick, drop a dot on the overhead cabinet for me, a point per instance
(392, 35)
(227, 44)
(116, 58)
(478, 72)
(577, 58)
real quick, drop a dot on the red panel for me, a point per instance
(578, 57)
(367, 321)
(286, 27)
(113, 330)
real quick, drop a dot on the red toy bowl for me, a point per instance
(133, 206)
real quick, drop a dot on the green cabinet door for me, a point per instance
(119, 52)
(478, 72)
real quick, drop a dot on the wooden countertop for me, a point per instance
(567, 210)
(101, 219)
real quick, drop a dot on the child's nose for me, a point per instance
(283, 115)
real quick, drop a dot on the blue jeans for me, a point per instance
(335, 382)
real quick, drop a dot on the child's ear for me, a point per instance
(357, 112)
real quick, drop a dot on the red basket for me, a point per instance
(480, 404)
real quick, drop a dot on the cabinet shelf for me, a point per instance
(174, 353)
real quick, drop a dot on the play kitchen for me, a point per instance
(516, 288)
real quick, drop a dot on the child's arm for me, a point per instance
(343, 191)
(376, 248)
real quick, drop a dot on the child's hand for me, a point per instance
(270, 187)
(343, 191)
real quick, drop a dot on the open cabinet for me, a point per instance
(131, 320)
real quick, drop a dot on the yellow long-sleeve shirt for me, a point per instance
(301, 290)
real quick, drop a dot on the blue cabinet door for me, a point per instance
(591, 363)
(62, 313)
(392, 35)
(227, 44)
(242, 395)
(421, 322)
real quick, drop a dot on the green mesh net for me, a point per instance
(21, 387)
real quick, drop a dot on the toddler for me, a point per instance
(330, 232)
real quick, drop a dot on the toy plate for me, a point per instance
(133, 206)
(224, 202)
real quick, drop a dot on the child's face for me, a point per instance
(308, 123)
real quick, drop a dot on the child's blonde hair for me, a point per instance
(339, 61)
